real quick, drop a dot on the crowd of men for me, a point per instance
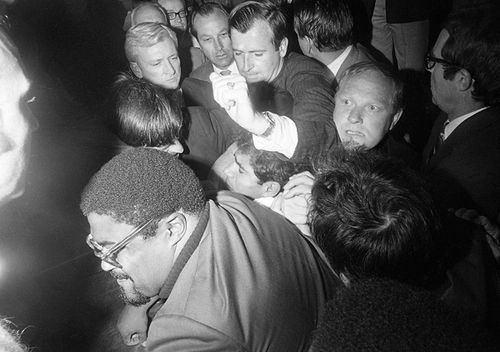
(258, 200)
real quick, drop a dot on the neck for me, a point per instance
(327, 57)
(465, 108)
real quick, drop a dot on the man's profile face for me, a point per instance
(212, 32)
(364, 110)
(159, 64)
(144, 262)
(14, 126)
(441, 88)
(241, 178)
(255, 55)
(174, 6)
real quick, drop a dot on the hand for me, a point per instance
(492, 230)
(299, 184)
(231, 93)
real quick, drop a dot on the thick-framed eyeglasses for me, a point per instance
(110, 254)
(172, 15)
(430, 61)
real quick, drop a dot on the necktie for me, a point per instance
(441, 138)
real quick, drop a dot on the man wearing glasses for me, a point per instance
(462, 157)
(230, 275)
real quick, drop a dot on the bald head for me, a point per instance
(148, 12)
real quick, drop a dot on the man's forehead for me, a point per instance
(440, 41)
(171, 5)
(216, 17)
(105, 227)
(258, 35)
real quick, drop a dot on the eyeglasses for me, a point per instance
(430, 62)
(109, 255)
(172, 15)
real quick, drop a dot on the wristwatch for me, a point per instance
(271, 126)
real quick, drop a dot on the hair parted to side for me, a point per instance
(145, 35)
(243, 17)
(144, 114)
(205, 10)
(384, 69)
(140, 184)
(474, 45)
(373, 217)
(329, 23)
(268, 166)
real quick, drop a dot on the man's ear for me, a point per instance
(396, 118)
(174, 226)
(463, 79)
(136, 69)
(283, 47)
(270, 189)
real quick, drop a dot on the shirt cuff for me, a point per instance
(283, 138)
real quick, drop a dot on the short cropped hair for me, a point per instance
(243, 17)
(268, 166)
(204, 10)
(144, 114)
(474, 44)
(385, 70)
(145, 35)
(329, 23)
(140, 184)
(373, 217)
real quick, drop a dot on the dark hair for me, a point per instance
(204, 10)
(243, 17)
(144, 114)
(385, 70)
(373, 218)
(384, 315)
(474, 44)
(140, 184)
(268, 166)
(329, 23)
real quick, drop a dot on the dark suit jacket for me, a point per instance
(358, 53)
(203, 72)
(465, 171)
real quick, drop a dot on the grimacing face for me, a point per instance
(145, 262)
(158, 64)
(212, 32)
(241, 178)
(14, 123)
(364, 110)
(255, 54)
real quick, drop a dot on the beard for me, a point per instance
(128, 293)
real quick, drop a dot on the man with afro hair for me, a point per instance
(228, 274)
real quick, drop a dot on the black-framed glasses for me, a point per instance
(430, 61)
(172, 15)
(109, 255)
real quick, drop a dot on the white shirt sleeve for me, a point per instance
(283, 138)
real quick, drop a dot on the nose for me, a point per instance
(218, 45)
(175, 148)
(106, 266)
(355, 116)
(247, 63)
(168, 68)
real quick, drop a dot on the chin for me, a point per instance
(134, 298)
